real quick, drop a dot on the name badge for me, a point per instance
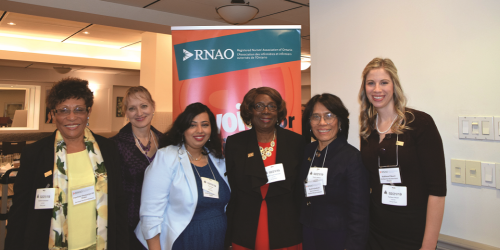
(314, 188)
(393, 195)
(275, 173)
(389, 175)
(210, 188)
(83, 195)
(316, 173)
(45, 198)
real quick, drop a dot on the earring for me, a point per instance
(340, 128)
(277, 123)
(88, 121)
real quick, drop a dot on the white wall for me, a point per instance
(102, 112)
(447, 53)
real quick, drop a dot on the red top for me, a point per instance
(262, 240)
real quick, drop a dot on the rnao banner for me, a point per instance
(217, 66)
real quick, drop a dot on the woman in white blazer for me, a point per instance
(185, 193)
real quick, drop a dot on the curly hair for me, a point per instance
(137, 91)
(249, 102)
(334, 105)
(175, 135)
(69, 88)
(368, 112)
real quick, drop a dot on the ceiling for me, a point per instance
(271, 12)
(74, 68)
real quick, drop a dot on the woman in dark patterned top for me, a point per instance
(403, 152)
(137, 142)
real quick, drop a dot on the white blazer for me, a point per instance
(169, 195)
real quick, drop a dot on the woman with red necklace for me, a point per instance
(262, 168)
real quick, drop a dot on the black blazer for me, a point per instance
(29, 228)
(246, 174)
(345, 205)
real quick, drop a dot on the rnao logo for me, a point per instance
(209, 54)
(187, 55)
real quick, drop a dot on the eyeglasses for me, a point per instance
(316, 118)
(78, 111)
(261, 106)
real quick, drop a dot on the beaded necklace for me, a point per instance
(268, 151)
(145, 149)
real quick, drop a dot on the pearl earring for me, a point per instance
(88, 121)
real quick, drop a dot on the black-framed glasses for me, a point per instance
(261, 106)
(78, 111)
(328, 117)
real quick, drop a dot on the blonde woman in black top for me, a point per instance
(403, 152)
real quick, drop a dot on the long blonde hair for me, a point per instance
(368, 113)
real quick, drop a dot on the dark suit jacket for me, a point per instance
(345, 205)
(29, 228)
(246, 175)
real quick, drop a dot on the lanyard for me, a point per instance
(314, 156)
(397, 156)
(195, 168)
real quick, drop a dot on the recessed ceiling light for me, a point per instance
(11, 23)
(86, 32)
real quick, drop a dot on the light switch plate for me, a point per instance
(488, 174)
(498, 175)
(475, 129)
(463, 126)
(458, 171)
(496, 127)
(473, 173)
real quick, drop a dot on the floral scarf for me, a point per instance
(58, 239)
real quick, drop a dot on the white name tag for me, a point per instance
(316, 173)
(389, 175)
(210, 188)
(275, 173)
(393, 195)
(83, 195)
(45, 198)
(314, 188)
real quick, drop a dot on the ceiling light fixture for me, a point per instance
(62, 69)
(11, 23)
(86, 32)
(238, 12)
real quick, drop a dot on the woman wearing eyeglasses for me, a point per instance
(262, 168)
(403, 152)
(334, 210)
(68, 192)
